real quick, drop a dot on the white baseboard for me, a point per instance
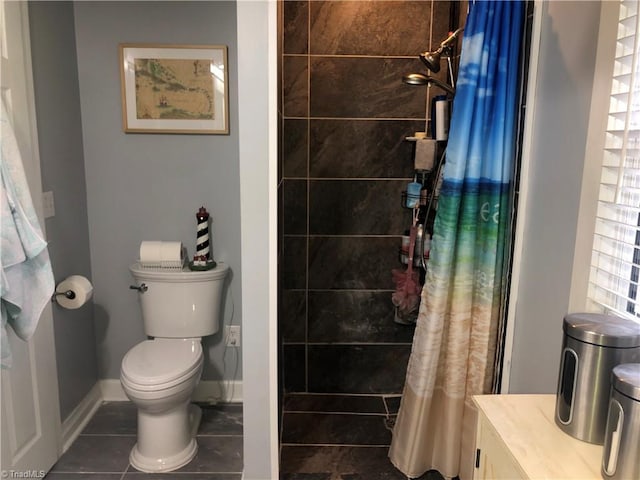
(112, 391)
(207, 391)
(80, 416)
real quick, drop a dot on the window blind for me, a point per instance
(615, 262)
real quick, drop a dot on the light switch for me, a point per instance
(48, 207)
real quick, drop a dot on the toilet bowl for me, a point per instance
(159, 377)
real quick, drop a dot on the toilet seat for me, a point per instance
(160, 364)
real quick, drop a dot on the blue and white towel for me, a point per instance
(27, 279)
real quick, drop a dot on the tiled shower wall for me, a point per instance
(344, 115)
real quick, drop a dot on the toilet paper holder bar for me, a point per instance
(70, 294)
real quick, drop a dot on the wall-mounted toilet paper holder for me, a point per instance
(70, 294)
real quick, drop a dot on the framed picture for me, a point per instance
(174, 88)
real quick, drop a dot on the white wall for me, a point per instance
(565, 73)
(149, 186)
(257, 89)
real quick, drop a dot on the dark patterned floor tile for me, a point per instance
(305, 476)
(97, 453)
(180, 476)
(334, 429)
(117, 418)
(221, 419)
(340, 462)
(334, 403)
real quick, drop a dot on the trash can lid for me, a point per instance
(603, 330)
(626, 379)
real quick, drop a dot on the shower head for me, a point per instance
(420, 79)
(432, 59)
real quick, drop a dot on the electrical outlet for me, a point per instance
(232, 335)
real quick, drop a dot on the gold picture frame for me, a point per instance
(174, 88)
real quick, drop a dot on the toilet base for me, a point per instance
(174, 461)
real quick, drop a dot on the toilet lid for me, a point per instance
(161, 361)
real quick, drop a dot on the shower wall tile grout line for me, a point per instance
(357, 119)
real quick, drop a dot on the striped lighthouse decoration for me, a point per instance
(202, 259)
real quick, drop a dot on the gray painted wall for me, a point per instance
(149, 186)
(55, 75)
(562, 103)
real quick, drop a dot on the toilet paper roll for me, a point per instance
(171, 251)
(151, 252)
(81, 288)
(156, 253)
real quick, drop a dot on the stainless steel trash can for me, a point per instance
(592, 345)
(621, 453)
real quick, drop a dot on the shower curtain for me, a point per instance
(454, 345)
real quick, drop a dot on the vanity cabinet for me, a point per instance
(517, 438)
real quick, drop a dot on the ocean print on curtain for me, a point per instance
(456, 333)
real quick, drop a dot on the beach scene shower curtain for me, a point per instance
(454, 346)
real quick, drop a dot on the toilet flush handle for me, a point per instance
(142, 288)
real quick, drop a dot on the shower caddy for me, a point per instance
(423, 202)
(429, 158)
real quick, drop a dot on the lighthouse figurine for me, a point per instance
(202, 259)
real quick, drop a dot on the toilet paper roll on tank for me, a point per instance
(73, 292)
(161, 254)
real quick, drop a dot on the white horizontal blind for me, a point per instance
(615, 263)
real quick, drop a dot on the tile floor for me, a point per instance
(324, 437)
(339, 437)
(101, 451)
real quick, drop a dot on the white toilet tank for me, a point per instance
(180, 303)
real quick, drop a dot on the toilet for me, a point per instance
(179, 307)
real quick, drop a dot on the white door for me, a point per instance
(30, 426)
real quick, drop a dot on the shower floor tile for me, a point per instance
(340, 463)
(335, 428)
(339, 437)
(312, 402)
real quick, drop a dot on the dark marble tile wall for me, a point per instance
(344, 165)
